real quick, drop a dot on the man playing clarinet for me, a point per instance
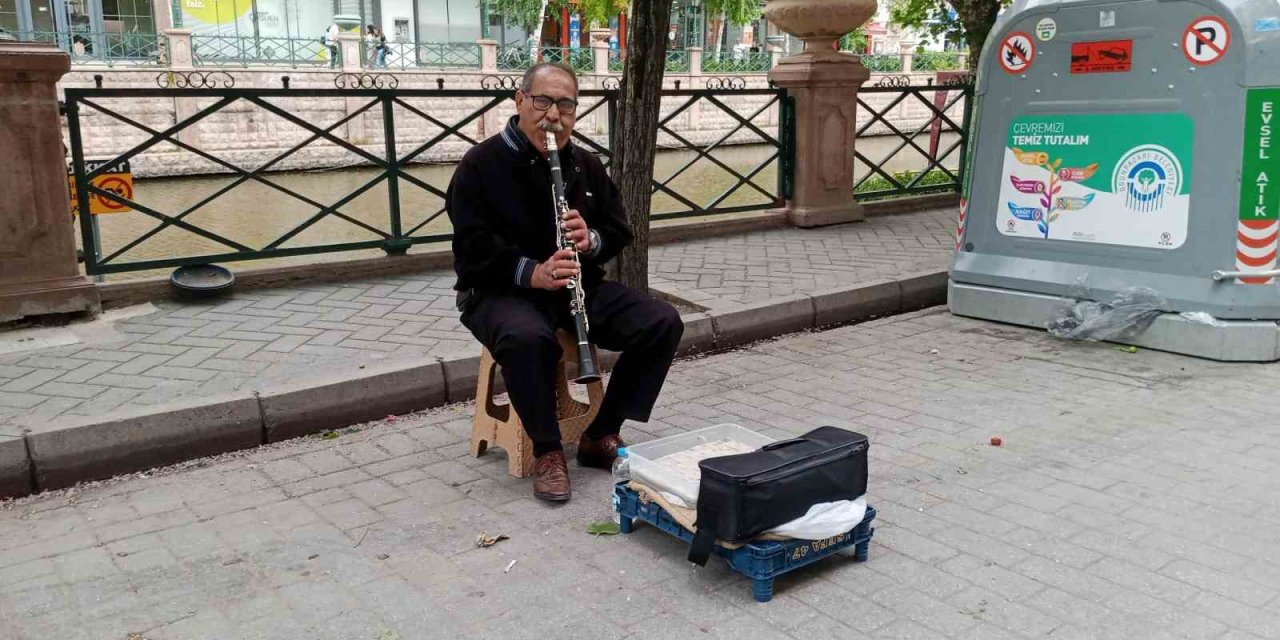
(514, 283)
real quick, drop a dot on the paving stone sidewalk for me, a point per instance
(291, 334)
(1133, 497)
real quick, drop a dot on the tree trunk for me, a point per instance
(720, 35)
(977, 16)
(637, 130)
(535, 36)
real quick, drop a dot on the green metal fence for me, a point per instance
(132, 48)
(386, 156)
(883, 63)
(212, 50)
(432, 55)
(750, 62)
(936, 147)
(519, 57)
(937, 61)
(677, 61)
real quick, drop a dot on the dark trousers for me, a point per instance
(518, 327)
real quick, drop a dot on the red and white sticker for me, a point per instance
(1206, 40)
(1256, 249)
(1017, 53)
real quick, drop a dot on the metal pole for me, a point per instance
(97, 246)
(613, 128)
(88, 226)
(970, 94)
(397, 244)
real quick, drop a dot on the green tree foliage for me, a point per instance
(972, 22)
(855, 41)
(737, 12)
(525, 12)
(598, 12)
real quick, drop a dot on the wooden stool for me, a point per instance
(499, 425)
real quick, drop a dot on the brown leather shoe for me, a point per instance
(551, 477)
(599, 454)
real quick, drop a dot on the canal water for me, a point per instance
(257, 215)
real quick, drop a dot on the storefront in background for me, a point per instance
(88, 28)
(400, 20)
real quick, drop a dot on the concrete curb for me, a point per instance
(72, 449)
(315, 406)
(15, 467)
(75, 449)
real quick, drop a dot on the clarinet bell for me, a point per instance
(587, 371)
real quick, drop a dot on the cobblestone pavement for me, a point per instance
(288, 334)
(1133, 497)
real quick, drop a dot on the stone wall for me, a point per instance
(248, 135)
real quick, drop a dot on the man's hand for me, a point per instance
(576, 228)
(556, 272)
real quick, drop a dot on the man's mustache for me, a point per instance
(553, 127)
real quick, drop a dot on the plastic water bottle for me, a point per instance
(621, 467)
(621, 474)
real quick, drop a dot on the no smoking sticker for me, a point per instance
(1206, 40)
(1017, 53)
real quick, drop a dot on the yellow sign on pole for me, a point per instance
(118, 179)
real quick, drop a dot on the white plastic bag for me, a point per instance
(1127, 313)
(825, 520)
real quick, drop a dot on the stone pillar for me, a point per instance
(600, 55)
(775, 55)
(163, 12)
(695, 61)
(181, 58)
(38, 270)
(907, 51)
(349, 43)
(488, 55)
(825, 86)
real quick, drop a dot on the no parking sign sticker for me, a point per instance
(1206, 40)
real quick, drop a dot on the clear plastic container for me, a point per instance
(648, 467)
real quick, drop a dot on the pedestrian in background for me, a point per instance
(331, 41)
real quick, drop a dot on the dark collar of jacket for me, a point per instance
(515, 140)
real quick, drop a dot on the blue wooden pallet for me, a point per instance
(761, 561)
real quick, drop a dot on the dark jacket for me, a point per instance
(504, 221)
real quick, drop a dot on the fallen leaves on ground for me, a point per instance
(486, 540)
(604, 529)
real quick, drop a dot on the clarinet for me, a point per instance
(587, 371)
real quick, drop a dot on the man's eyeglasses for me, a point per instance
(567, 106)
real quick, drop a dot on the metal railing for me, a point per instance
(518, 57)
(767, 123)
(939, 142)
(937, 61)
(883, 63)
(677, 61)
(212, 50)
(580, 59)
(744, 189)
(128, 48)
(729, 62)
(433, 55)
